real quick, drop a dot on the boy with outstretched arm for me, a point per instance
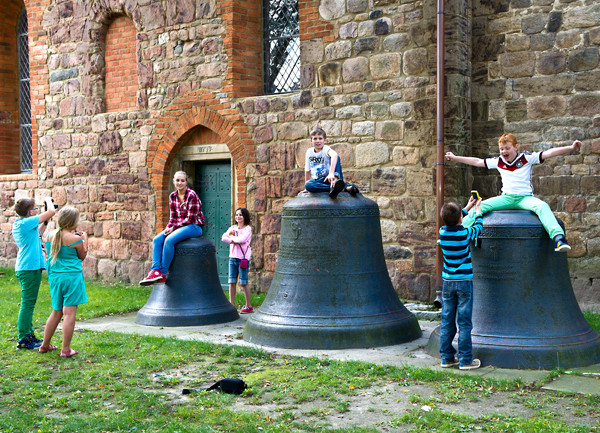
(457, 288)
(323, 168)
(30, 263)
(517, 191)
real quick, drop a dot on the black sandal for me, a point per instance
(336, 188)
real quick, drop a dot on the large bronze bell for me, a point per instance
(192, 294)
(525, 314)
(331, 288)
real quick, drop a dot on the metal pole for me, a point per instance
(439, 169)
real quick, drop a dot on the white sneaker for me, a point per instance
(449, 363)
(476, 363)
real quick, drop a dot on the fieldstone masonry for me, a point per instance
(368, 71)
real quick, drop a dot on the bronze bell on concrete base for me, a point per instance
(192, 294)
(525, 314)
(331, 288)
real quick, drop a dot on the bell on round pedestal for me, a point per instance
(192, 294)
(331, 288)
(525, 314)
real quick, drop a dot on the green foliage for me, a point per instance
(442, 422)
(593, 319)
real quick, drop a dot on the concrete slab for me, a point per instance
(411, 353)
(575, 384)
(590, 370)
(526, 376)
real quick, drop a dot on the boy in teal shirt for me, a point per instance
(30, 263)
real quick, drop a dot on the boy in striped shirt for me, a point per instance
(457, 288)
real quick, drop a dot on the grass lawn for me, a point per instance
(132, 383)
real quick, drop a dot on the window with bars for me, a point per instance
(24, 95)
(281, 46)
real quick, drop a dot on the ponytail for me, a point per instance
(56, 244)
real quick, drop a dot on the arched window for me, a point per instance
(281, 40)
(24, 94)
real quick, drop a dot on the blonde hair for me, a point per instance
(68, 217)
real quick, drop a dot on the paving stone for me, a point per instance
(589, 384)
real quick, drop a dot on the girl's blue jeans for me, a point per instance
(164, 246)
(457, 308)
(234, 270)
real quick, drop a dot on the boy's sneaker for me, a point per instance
(31, 338)
(336, 188)
(561, 243)
(155, 276)
(247, 310)
(448, 364)
(24, 343)
(476, 363)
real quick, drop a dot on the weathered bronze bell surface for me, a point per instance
(525, 314)
(192, 294)
(331, 288)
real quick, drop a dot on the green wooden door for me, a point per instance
(212, 182)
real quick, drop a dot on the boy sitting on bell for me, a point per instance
(517, 191)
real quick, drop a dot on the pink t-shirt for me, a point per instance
(242, 240)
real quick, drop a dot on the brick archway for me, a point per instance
(172, 129)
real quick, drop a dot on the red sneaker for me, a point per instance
(247, 310)
(154, 276)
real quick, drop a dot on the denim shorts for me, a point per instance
(234, 270)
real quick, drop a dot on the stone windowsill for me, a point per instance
(17, 176)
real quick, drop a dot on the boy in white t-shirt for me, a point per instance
(517, 191)
(323, 168)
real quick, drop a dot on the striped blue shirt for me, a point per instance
(455, 241)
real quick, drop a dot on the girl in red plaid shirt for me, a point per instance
(186, 222)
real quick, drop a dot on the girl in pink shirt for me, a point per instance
(239, 236)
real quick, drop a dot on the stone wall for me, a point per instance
(535, 74)
(368, 78)
(371, 87)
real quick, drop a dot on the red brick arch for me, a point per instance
(174, 126)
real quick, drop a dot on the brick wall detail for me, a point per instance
(243, 45)
(312, 24)
(121, 66)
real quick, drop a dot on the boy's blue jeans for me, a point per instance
(164, 246)
(320, 185)
(457, 307)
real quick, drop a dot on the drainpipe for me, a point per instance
(439, 166)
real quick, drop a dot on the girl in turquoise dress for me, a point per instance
(67, 249)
